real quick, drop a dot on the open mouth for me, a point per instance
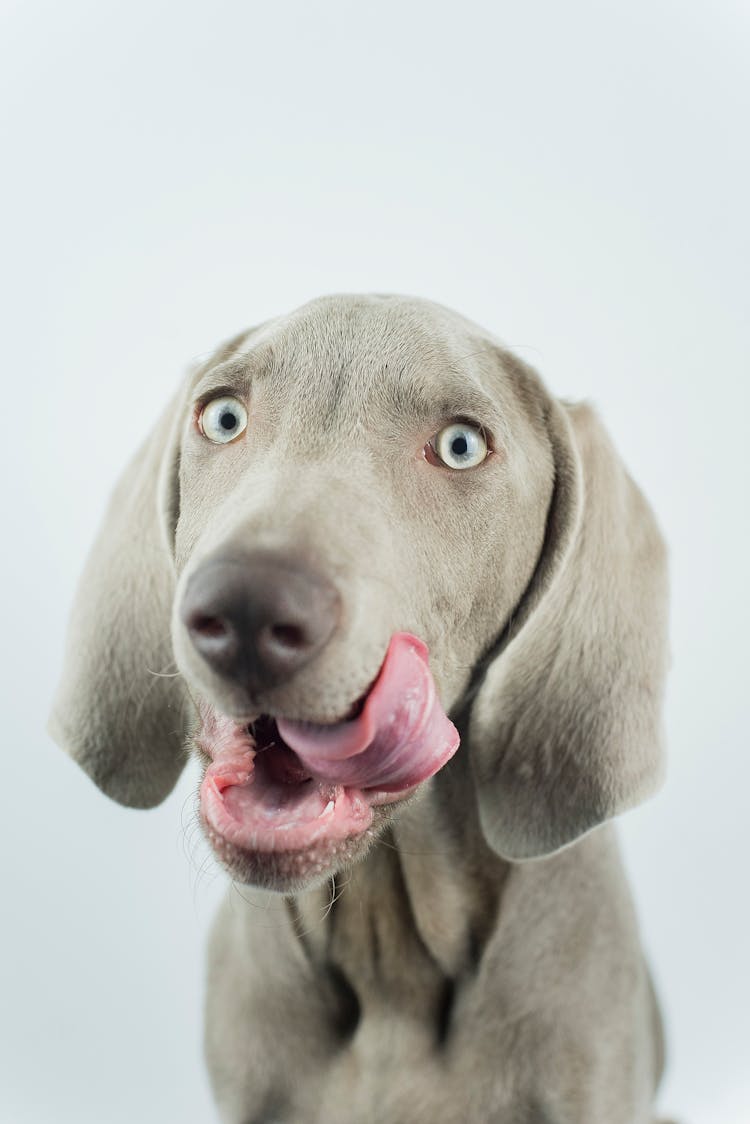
(260, 796)
(276, 785)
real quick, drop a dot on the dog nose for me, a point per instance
(258, 618)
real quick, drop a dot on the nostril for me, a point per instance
(208, 626)
(256, 619)
(289, 636)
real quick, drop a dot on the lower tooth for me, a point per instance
(328, 808)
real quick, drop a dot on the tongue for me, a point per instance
(402, 736)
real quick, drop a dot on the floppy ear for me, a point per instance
(565, 730)
(118, 712)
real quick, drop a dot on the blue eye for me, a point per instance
(223, 419)
(460, 445)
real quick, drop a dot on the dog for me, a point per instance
(418, 610)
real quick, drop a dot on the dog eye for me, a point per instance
(460, 445)
(222, 419)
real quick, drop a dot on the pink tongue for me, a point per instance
(402, 736)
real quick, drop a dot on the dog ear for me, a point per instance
(565, 730)
(119, 710)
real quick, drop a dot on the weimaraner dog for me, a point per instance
(351, 523)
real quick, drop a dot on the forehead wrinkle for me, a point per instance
(422, 399)
(239, 371)
(326, 365)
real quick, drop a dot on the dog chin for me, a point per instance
(286, 871)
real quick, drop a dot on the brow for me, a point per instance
(235, 374)
(417, 400)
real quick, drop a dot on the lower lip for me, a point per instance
(350, 818)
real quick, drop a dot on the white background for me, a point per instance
(575, 176)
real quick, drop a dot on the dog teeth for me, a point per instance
(328, 808)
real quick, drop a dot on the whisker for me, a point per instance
(471, 354)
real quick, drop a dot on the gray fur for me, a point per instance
(450, 979)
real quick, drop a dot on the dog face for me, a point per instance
(350, 516)
(372, 486)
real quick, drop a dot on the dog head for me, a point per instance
(349, 523)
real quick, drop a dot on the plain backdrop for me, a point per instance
(573, 175)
